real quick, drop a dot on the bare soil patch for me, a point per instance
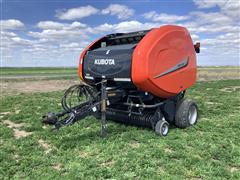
(234, 169)
(47, 148)
(211, 74)
(21, 133)
(107, 163)
(16, 157)
(83, 154)
(35, 86)
(168, 150)
(134, 144)
(230, 89)
(5, 113)
(57, 167)
(13, 125)
(16, 132)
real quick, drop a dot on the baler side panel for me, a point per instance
(161, 51)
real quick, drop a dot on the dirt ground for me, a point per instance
(10, 87)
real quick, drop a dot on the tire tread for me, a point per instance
(181, 117)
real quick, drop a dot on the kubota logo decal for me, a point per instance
(104, 62)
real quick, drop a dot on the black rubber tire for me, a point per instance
(162, 128)
(183, 116)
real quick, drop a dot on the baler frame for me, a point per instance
(98, 105)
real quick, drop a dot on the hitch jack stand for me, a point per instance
(103, 109)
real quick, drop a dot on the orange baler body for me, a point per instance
(163, 61)
(159, 51)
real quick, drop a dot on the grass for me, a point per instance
(30, 79)
(72, 70)
(8, 74)
(37, 70)
(12, 74)
(209, 151)
(218, 67)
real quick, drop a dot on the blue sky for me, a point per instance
(53, 33)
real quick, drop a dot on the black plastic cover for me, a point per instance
(108, 62)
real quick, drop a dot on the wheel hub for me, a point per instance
(192, 117)
(164, 129)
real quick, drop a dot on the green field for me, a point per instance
(210, 150)
(56, 73)
(71, 70)
(37, 70)
(37, 73)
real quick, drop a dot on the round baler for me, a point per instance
(136, 78)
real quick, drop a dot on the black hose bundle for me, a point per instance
(77, 102)
(78, 96)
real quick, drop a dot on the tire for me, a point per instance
(162, 128)
(186, 113)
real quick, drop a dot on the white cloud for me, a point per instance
(232, 8)
(121, 11)
(71, 45)
(12, 24)
(195, 37)
(57, 32)
(210, 23)
(228, 42)
(166, 18)
(59, 35)
(128, 26)
(228, 7)
(223, 25)
(76, 13)
(209, 4)
(102, 28)
(52, 25)
(11, 42)
(211, 18)
(8, 34)
(76, 24)
(124, 26)
(21, 41)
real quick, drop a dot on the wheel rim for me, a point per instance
(164, 129)
(192, 116)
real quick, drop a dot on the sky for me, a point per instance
(54, 32)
